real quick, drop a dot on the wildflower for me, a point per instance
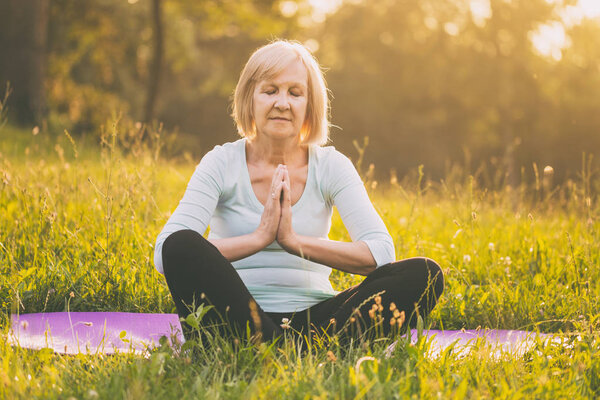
(392, 306)
(378, 300)
(71, 295)
(491, 246)
(393, 321)
(467, 258)
(372, 313)
(401, 319)
(332, 321)
(285, 323)
(331, 357)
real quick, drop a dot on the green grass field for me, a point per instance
(77, 229)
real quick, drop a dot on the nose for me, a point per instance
(282, 102)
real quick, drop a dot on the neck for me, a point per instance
(275, 152)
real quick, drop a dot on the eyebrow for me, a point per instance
(290, 84)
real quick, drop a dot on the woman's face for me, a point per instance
(279, 104)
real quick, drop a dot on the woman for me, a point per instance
(268, 198)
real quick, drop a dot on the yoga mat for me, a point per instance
(110, 332)
(93, 332)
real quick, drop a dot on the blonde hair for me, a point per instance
(267, 62)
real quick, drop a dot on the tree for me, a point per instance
(23, 39)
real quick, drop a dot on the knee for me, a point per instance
(424, 270)
(180, 246)
(435, 275)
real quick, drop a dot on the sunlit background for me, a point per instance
(499, 88)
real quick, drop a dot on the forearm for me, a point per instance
(238, 247)
(352, 257)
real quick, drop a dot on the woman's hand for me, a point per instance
(286, 236)
(269, 221)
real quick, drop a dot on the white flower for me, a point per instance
(285, 323)
(491, 246)
(467, 258)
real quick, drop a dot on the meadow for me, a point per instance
(77, 229)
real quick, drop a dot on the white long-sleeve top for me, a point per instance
(220, 194)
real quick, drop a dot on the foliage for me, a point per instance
(81, 219)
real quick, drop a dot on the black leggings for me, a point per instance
(197, 273)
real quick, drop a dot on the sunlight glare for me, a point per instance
(549, 40)
(325, 6)
(288, 8)
(481, 11)
(574, 14)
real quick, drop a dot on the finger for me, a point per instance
(276, 194)
(287, 187)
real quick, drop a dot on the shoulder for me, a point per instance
(330, 162)
(223, 156)
(329, 156)
(225, 151)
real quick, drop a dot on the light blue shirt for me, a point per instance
(220, 194)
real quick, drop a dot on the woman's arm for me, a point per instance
(352, 257)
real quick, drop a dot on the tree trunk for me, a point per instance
(157, 61)
(23, 55)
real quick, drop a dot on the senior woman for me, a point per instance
(268, 198)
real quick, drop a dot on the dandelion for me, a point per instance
(467, 258)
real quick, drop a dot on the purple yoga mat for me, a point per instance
(110, 332)
(93, 332)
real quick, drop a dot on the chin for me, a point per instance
(281, 135)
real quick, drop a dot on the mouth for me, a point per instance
(279, 119)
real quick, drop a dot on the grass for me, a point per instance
(82, 219)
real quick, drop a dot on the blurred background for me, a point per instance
(499, 88)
